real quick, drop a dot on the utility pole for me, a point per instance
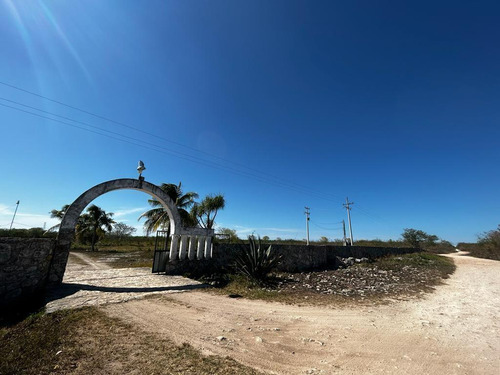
(343, 227)
(347, 205)
(15, 212)
(307, 223)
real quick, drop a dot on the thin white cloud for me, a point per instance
(129, 211)
(26, 220)
(4, 208)
(243, 229)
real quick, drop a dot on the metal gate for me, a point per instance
(161, 251)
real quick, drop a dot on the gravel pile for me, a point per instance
(360, 279)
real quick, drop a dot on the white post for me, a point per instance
(183, 247)
(208, 247)
(174, 247)
(192, 247)
(201, 242)
(307, 223)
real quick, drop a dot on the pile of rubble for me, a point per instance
(358, 277)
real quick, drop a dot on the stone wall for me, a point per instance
(297, 258)
(24, 266)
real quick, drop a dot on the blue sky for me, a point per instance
(276, 104)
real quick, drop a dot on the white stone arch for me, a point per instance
(69, 221)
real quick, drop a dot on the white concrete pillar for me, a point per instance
(208, 247)
(192, 247)
(201, 243)
(174, 247)
(183, 247)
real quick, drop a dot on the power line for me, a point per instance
(7, 208)
(332, 223)
(366, 212)
(162, 149)
(324, 228)
(148, 145)
(154, 135)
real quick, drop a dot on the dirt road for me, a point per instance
(455, 330)
(92, 283)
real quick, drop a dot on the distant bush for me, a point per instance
(487, 246)
(380, 243)
(27, 233)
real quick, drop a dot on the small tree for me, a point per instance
(121, 230)
(228, 234)
(93, 224)
(206, 211)
(491, 238)
(323, 239)
(416, 238)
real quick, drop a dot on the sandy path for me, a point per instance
(78, 262)
(90, 283)
(455, 330)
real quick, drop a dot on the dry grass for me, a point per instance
(122, 258)
(87, 341)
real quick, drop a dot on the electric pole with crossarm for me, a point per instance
(307, 223)
(347, 205)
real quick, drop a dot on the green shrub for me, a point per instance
(255, 262)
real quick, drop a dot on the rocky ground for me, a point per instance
(394, 277)
(359, 280)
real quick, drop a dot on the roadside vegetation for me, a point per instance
(487, 246)
(88, 342)
(409, 238)
(383, 279)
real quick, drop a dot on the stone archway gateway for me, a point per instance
(187, 243)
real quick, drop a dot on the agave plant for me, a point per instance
(255, 262)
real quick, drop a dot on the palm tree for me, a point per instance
(157, 217)
(57, 214)
(95, 222)
(206, 211)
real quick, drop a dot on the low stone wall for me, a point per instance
(24, 266)
(25, 262)
(297, 258)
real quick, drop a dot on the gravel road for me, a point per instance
(93, 283)
(455, 330)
